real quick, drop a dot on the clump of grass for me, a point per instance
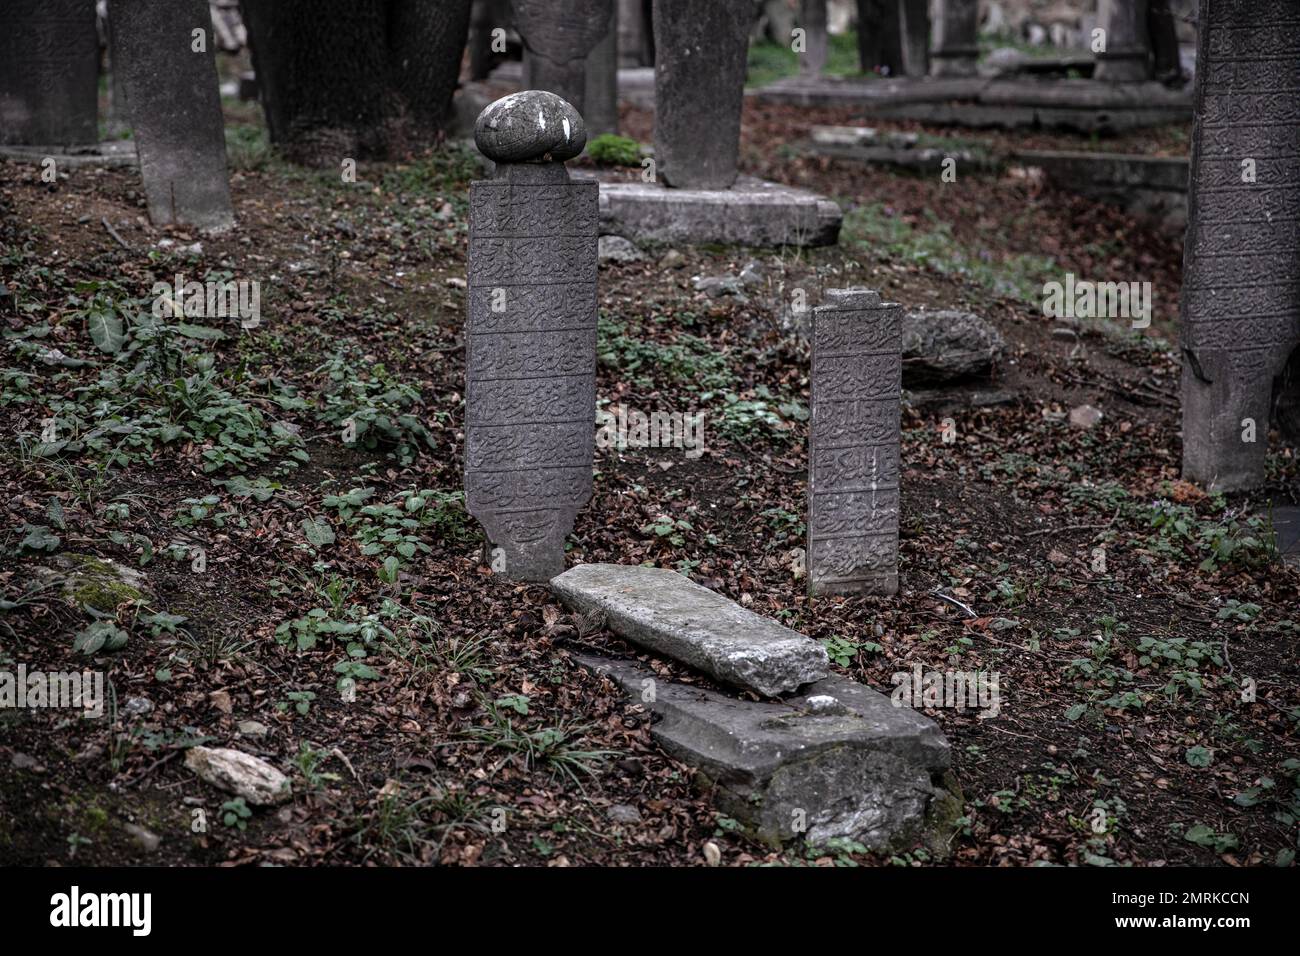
(609, 149)
(873, 227)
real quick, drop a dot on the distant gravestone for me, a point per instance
(174, 107)
(1241, 282)
(531, 343)
(812, 17)
(880, 47)
(558, 37)
(956, 46)
(600, 104)
(1126, 58)
(853, 450)
(700, 62)
(914, 29)
(635, 41)
(49, 73)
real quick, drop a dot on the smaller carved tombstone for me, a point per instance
(530, 397)
(853, 449)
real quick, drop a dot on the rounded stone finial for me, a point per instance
(531, 125)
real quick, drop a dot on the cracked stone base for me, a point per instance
(753, 212)
(837, 760)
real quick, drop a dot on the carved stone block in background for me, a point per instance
(1241, 284)
(853, 450)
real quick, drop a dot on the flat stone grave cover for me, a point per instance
(668, 613)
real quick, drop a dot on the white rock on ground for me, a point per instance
(235, 772)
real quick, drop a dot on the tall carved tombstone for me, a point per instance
(700, 60)
(853, 448)
(49, 73)
(956, 44)
(169, 75)
(1127, 57)
(880, 44)
(530, 395)
(812, 17)
(558, 36)
(914, 31)
(1241, 258)
(600, 110)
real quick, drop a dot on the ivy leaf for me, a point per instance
(1198, 757)
(318, 532)
(39, 538)
(105, 327)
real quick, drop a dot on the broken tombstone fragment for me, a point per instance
(668, 613)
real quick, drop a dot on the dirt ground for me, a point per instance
(1144, 632)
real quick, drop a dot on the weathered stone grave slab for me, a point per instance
(1153, 188)
(49, 73)
(853, 447)
(1086, 106)
(836, 760)
(1241, 286)
(668, 613)
(175, 110)
(110, 153)
(753, 212)
(866, 144)
(700, 62)
(530, 406)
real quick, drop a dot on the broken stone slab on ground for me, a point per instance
(837, 761)
(671, 615)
